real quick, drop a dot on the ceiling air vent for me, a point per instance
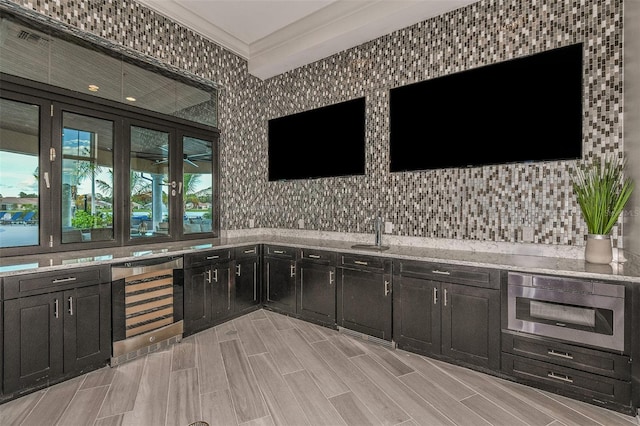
(31, 37)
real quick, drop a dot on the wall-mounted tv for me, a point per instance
(521, 110)
(323, 142)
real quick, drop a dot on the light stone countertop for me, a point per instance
(530, 258)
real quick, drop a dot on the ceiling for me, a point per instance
(276, 36)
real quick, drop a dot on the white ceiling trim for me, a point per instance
(340, 25)
(196, 23)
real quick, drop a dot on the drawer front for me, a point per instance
(280, 251)
(319, 256)
(567, 381)
(365, 262)
(203, 258)
(247, 251)
(589, 360)
(45, 282)
(459, 274)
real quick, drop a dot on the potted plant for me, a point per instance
(602, 191)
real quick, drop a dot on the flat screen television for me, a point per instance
(323, 142)
(521, 110)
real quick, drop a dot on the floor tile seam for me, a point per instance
(35, 405)
(452, 376)
(551, 414)
(373, 382)
(494, 405)
(408, 388)
(75, 395)
(255, 380)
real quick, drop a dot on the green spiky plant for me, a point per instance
(602, 192)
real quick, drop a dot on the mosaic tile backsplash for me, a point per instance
(489, 203)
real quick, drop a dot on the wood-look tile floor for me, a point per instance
(269, 369)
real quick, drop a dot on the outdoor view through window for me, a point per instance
(19, 175)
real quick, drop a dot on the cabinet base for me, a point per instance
(362, 336)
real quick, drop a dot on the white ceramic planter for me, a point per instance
(598, 249)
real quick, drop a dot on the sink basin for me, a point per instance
(371, 247)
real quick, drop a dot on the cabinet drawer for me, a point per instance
(365, 262)
(247, 251)
(280, 251)
(567, 381)
(203, 258)
(460, 274)
(319, 256)
(45, 282)
(584, 359)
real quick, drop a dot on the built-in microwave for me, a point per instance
(580, 311)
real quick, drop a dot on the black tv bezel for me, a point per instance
(572, 54)
(324, 158)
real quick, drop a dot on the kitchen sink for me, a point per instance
(372, 247)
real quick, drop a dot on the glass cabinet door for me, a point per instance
(197, 179)
(19, 174)
(87, 179)
(150, 187)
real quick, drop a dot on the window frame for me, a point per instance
(53, 101)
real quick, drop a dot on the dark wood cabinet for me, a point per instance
(280, 278)
(316, 287)
(33, 341)
(247, 278)
(207, 289)
(450, 311)
(87, 327)
(220, 284)
(364, 298)
(55, 335)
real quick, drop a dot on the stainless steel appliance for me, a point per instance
(580, 311)
(147, 306)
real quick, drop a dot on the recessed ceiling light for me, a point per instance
(130, 98)
(93, 88)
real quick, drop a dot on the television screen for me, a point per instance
(522, 110)
(323, 142)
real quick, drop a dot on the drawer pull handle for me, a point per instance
(331, 277)
(63, 280)
(435, 295)
(238, 273)
(436, 271)
(561, 377)
(213, 257)
(314, 256)
(55, 308)
(253, 250)
(445, 297)
(565, 355)
(215, 275)
(278, 251)
(387, 288)
(293, 271)
(70, 305)
(360, 262)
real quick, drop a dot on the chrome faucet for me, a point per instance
(378, 229)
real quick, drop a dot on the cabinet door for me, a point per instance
(280, 290)
(317, 292)
(364, 302)
(32, 340)
(416, 314)
(87, 327)
(471, 324)
(247, 283)
(197, 299)
(219, 279)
